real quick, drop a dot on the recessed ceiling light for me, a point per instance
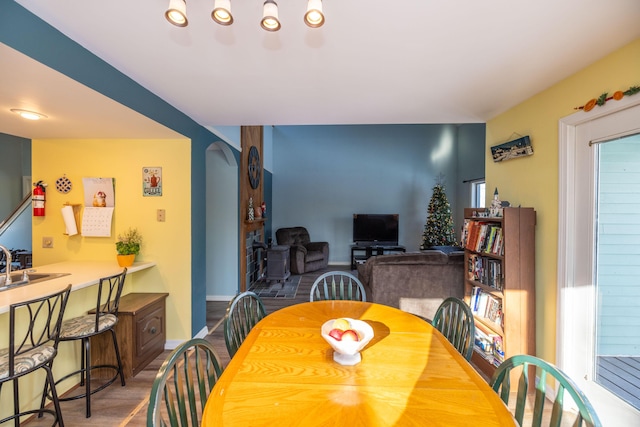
(29, 115)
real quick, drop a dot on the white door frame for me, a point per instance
(576, 232)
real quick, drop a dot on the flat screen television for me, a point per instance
(375, 229)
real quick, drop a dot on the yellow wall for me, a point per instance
(533, 180)
(167, 243)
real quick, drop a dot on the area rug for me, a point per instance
(273, 289)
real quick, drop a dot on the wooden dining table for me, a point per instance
(410, 375)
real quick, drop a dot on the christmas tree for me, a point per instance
(438, 231)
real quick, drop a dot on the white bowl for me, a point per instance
(348, 352)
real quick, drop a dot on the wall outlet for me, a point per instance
(160, 215)
(47, 242)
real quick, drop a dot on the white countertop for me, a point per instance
(81, 274)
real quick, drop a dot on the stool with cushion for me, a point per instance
(34, 328)
(84, 327)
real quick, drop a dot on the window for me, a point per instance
(478, 193)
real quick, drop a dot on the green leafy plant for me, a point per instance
(129, 242)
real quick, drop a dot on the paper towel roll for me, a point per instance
(69, 220)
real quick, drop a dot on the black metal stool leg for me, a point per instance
(54, 396)
(16, 403)
(83, 364)
(87, 364)
(115, 346)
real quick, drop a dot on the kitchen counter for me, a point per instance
(81, 275)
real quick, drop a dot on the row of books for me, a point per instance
(489, 345)
(480, 236)
(487, 271)
(485, 305)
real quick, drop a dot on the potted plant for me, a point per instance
(128, 246)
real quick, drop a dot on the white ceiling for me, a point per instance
(373, 62)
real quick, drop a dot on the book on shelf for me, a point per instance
(482, 236)
(485, 305)
(489, 345)
(485, 270)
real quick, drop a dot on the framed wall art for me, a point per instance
(152, 181)
(512, 149)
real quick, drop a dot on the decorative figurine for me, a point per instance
(251, 212)
(263, 208)
(496, 205)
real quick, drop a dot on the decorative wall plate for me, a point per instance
(254, 167)
(63, 184)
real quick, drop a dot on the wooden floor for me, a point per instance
(621, 376)
(127, 406)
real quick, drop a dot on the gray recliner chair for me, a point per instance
(305, 255)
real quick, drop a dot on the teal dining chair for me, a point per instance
(243, 312)
(182, 385)
(337, 285)
(542, 372)
(454, 320)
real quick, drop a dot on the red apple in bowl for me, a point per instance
(336, 334)
(350, 335)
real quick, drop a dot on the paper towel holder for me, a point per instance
(76, 214)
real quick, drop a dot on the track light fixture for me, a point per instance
(270, 20)
(222, 12)
(176, 14)
(314, 16)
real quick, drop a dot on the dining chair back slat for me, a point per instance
(337, 285)
(525, 366)
(182, 385)
(454, 320)
(243, 312)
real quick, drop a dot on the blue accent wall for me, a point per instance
(325, 174)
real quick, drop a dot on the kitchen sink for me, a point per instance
(17, 279)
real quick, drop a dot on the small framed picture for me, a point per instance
(152, 181)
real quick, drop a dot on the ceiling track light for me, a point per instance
(314, 16)
(29, 115)
(177, 13)
(270, 20)
(222, 12)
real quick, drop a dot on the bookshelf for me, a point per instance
(500, 283)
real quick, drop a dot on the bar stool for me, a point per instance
(84, 327)
(38, 323)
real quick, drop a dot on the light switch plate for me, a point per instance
(160, 215)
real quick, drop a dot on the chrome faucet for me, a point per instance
(7, 270)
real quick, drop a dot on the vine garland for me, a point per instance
(602, 99)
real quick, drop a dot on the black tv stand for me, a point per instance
(361, 252)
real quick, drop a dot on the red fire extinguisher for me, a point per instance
(38, 199)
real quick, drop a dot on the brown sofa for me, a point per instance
(305, 255)
(414, 282)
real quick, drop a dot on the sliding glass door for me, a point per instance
(598, 337)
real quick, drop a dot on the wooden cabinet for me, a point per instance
(140, 332)
(500, 283)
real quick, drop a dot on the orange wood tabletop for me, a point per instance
(410, 375)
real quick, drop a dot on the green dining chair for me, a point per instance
(337, 285)
(244, 311)
(544, 371)
(182, 385)
(454, 320)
